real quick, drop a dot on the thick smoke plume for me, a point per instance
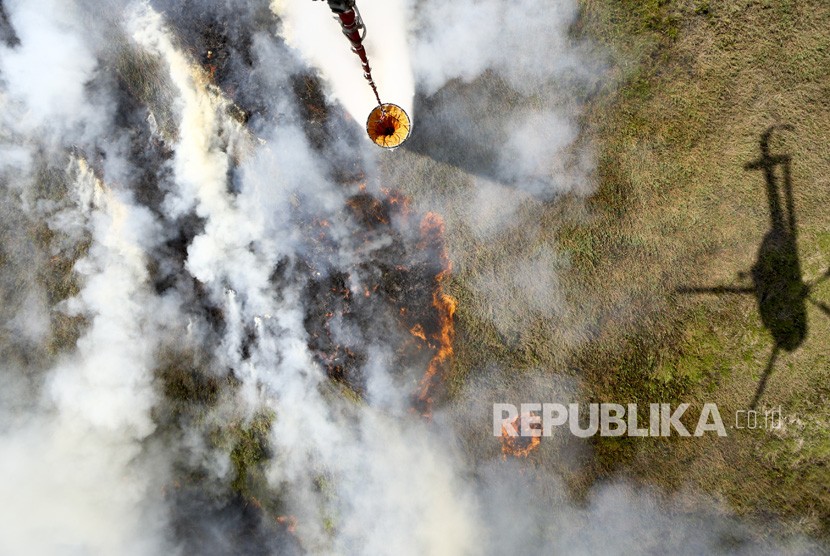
(208, 275)
(310, 28)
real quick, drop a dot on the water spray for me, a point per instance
(388, 124)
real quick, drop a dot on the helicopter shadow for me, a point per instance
(777, 282)
(458, 125)
(487, 129)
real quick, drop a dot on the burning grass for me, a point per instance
(402, 283)
(693, 86)
(442, 334)
(513, 444)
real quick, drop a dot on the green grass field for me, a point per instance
(693, 87)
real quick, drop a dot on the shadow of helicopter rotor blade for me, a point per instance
(762, 385)
(823, 307)
(717, 290)
(820, 279)
(792, 221)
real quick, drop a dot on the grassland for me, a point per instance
(694, 86)
(680, 208)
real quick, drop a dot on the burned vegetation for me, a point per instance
(396, 287)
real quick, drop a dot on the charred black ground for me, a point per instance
(397, 280)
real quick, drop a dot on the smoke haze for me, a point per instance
(174, 212)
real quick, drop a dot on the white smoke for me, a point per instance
(73, 466)
(527, 42)
(362, 451)
(73, 473)
(84, 465)
(309, 27)
(47, 72)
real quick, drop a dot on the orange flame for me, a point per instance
(397, 198)
(446, 306)
(432, 328)
(432, 227)
(519, 446)
(418, 332)
(289, 521)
